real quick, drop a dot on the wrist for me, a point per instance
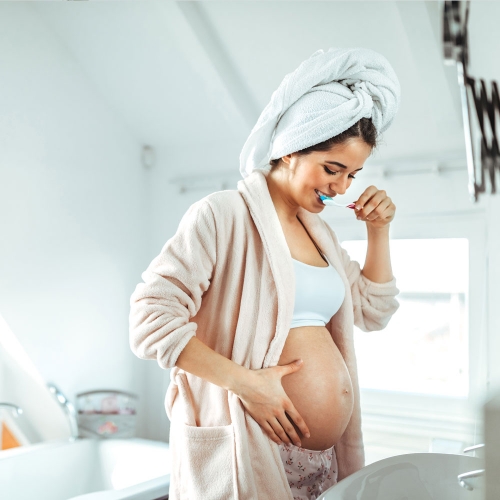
(377, 231)
(237, 377)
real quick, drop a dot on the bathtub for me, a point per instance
(90, 469)
(415, 476)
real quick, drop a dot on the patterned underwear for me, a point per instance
(310, 472)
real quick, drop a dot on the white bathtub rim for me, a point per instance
(33, 448)
(158, 485)
(55, 443)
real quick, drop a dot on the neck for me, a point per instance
(286, 208)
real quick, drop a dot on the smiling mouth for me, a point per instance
(318, 194)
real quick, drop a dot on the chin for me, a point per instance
(314, 209)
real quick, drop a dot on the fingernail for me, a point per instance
(308, 435)
(298, 443)
(358, 207)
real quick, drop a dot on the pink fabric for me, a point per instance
(309, 472)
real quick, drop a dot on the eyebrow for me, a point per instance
(340, 165)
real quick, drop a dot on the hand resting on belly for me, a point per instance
(289, 400)
(264, 398)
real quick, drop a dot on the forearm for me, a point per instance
(200, 360)
(259, 390)
(377, 266)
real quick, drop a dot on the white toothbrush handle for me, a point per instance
(333, 203)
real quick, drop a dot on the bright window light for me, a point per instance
(424, 349)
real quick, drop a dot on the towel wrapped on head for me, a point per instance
(323, 97)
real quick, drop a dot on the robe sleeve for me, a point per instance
(174, 283)
(373, 303)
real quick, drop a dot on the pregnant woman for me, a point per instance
(252, 302)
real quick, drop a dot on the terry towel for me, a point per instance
(324, 96)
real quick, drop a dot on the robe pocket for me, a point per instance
(207, 462)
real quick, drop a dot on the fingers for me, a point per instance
(278, 429)
(269, 405)
(365, 197)
(380, 211)
(286, 424)
(284, 430)
(298, 420)
(369, 201)
(270, 432)
(291, 367)
(374, 204)
(281, 427)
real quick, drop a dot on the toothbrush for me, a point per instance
(329, 201)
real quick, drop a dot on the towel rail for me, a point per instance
(473, 448)
(462, 478)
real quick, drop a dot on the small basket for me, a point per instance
(107, 414)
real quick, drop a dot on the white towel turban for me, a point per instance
(325, 95)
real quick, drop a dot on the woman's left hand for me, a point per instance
(375, 208)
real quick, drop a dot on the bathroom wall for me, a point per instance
(72, 223)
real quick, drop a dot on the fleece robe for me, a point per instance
(227, 277)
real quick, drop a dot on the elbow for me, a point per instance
(374, 325)
(162, 344)
(139, 347)
(372, 319)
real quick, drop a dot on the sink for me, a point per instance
(414, 476)
(94, 469)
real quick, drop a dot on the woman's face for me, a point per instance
(329, 172)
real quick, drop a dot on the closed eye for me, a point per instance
(328, 171)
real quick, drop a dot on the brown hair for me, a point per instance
(363, 129)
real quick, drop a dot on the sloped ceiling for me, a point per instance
(180, 73)
(267, 40)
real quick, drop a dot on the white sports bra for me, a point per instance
(319, 293)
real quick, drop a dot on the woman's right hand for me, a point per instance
(266, 401)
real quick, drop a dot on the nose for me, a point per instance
(341, 184)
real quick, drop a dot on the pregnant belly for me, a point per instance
(321, 390)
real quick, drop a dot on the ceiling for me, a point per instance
(185, 74)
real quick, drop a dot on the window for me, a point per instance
(424, 348)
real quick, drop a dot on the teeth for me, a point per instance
(320, 193)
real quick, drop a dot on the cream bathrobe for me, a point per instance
(227, 277)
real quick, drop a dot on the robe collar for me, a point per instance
(255, 193)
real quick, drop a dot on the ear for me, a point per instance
(286, 159)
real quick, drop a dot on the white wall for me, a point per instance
(72, 204)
